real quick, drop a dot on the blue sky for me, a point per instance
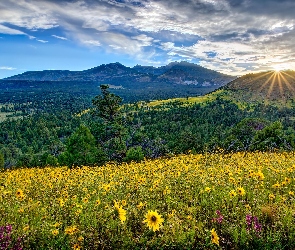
(231, 36)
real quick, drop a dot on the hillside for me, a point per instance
(267, 87)
(275, 88)
(182, 73)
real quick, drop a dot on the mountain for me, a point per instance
(270, 86)
(116, 74)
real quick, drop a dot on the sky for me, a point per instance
(230, 36)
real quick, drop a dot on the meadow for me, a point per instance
(195, 201)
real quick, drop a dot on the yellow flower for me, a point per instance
(260, 176)
(56, 225)
(121, 211)
(107, 187)
(214, 237)
(232, 180)
(123, 202)
(140, 205)
(81, 238)
(277, 185)
(76, 247)
(241, 191)
(71, 230)
(61, 202)
(122, 214)
(78, 211)
(116, 204)
(232, 193)
(291, 193)
(19, 194)
(166, 191)
(247, 206)
(97, 202)
(85, 200)
(153, 220)
(271, 196)
(207, 189)
(55, 232)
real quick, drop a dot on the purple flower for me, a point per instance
(249, 221)
(220, 218)
(6, 241)
(252, 221)
(257, 226)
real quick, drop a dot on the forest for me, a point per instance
(82, 129)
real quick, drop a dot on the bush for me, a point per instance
(134, 154)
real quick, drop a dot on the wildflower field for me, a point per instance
(203, 201)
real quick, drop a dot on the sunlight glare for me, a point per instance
(280, 67)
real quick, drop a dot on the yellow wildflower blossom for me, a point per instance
(153, 220)
(54, 232)
(241, 191)
(214, 237)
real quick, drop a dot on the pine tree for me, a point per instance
(81, 149)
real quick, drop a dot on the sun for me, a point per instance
(280, 67)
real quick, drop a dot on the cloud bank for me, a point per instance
(231, 36)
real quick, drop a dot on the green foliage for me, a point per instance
(1, 161)
(269, 138)
(134, 154)
(241, 136)
(107, 105)
(81, 149)
(110, 130)
(173, 127)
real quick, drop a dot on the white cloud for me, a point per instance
(9, 31)
(7, 68)
(59, 37)
(92, 43)
(42, 41)
(241, 34)
(27, 14)
(144, 40)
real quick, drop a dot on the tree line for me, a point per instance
(115, 132)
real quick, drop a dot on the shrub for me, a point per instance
(134, 154)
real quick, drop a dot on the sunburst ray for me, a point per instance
(289, 86)
(258, 77)
(285, 73)
(266, 82)
(270, 90)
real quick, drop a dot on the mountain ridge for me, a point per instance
(183, 73)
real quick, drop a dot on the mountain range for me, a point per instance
(120, 76)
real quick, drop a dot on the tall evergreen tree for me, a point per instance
(107, 107)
